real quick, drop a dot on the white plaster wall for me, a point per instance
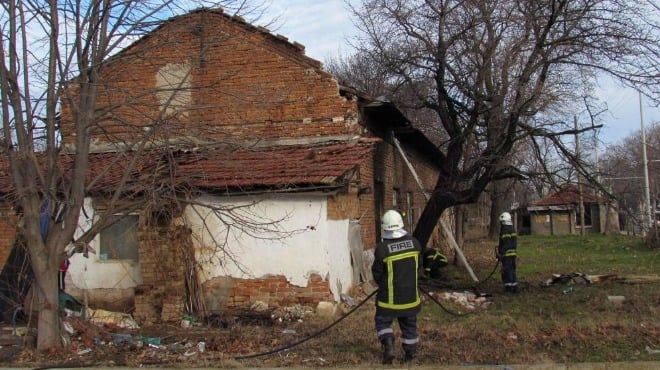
(91, 272)
(290, 236)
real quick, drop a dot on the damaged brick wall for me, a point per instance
(232, 294)
(386, 168)
(8, 221)
(163, 255)
(265, 88)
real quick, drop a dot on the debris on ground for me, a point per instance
(584, 279)
(291, 313)
(616, 299)
(469, 300)
(104, 317)
(577, 278)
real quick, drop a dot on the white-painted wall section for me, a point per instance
(285, 235)
(91, 272)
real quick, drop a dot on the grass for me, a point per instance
(541, 324)
(545, 324)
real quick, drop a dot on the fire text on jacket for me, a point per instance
(400, 246)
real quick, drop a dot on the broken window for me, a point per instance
(119, 240)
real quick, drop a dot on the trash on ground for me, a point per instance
(104, 317)
(85, 351)
(584, 279)
(577, 278)
(616, 299)
(347, 299)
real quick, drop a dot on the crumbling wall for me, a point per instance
(230, 294)
(163, 255)
(8, 221)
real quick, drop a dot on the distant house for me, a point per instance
(280, 174)
(559, 213)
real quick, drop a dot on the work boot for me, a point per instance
(388, 350)
(408, 357)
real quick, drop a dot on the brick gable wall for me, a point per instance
(232, 82)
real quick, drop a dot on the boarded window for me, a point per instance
(119, 240)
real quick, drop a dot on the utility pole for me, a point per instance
(648, 217)
(579, 181)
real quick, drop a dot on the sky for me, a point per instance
(325, 27)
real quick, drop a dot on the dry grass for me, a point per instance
(538, 325)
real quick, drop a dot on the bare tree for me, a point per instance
(494, 73)
(622, 172)
(52, 53)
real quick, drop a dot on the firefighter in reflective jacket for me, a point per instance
(506, 253)
(396, 266)
(433, 262)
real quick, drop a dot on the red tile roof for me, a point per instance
(568, 194)
(295, 166)
(285, 166)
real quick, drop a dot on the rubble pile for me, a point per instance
(469, 300)
(291, 313)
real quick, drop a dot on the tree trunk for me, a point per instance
(45, 265)
(48, 320)
(430, 216)
(498, 204)
(459, 225)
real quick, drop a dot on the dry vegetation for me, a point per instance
(538, 325)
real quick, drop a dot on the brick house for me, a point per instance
(280, 174)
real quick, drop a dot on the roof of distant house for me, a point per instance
(567, 194)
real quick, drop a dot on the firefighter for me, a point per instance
(433, 262)
(395, 271)
(506, 253)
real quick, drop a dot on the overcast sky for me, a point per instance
(324, 28)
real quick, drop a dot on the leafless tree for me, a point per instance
(622, 172)
(52, 53)
(493, 74)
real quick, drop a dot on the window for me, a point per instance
(119, 240)
(409, 214)
(395, 198)
(587, 215)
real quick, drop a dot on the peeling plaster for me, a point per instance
(173, 88)
(305, 242)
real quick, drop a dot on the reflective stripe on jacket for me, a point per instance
(508, 242)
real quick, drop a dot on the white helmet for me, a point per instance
(505, 218)
(392, 221)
